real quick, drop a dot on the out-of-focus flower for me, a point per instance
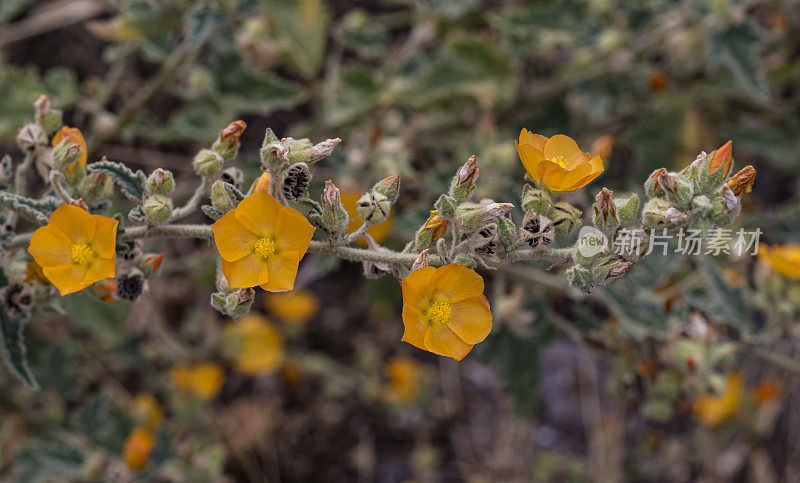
(261, 243)
(767, 391)
(378, 232)
(137, 448)
(75, 249)
(658, 81)
(261, 183)
(74, 136)
(254, 345)
(444, 310)
(784, 259)
(404, 375)
(557, 161)
(147, 411)
(202, 381)
(603, 146)
(715, 410)
(298, 306)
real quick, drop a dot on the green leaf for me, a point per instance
(132, 184)
(737, 48)
(302, 26)
(12, 345)
(37, 210)
(48, 460)
(727, 303)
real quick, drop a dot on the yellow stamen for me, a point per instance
(560, 160)
(264, 247)
(439, 314)
(81, 253)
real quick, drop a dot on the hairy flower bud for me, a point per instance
(233, 176)
(722, 159)
(472, 216)
(605, 211)
(373, 207)
(228, 143)
(31, 137)
(207, 163)
(446, 207)
(45, 116)
(65, 153)
(221, 199)
(565, 217)
(389, 187)
(742, 182)
(295, 182)
(434, 228)
(627, 207)
(321, 150)
(238, 302)
(658, 213)
(157, 208)
(421, 261)
(160, 182)
(150, 263)
(96, 186)
(334, 214)
(507, 232)
(464, 181)
(536, 200)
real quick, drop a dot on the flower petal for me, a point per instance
(245, 272)
(293, 231)
(532, 160)
(561, 145)
(101, 268)
(258, 213)
(417, 287)
(561, 179)
(66, 278)
(535, 140)
(471, 319)
(233, 240)
(76, 223)
(282, 271)
(105, 236)
(49, 247)
(415, 327)
(456, 282)
(445, 342)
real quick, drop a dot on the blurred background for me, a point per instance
(684, 370)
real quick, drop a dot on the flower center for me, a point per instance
(560, 160)
(81, 253)
(264, 247)
(438, 314)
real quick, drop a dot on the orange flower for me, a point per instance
(137, 449)
(722, 158)
(296, 307)
(74, 135)
(75, 248)
(147, 411)
(742, 182)
(436, 224)
(784, 259)
(262, 243)
(203, 380)
(261, 183)
(404, 375)
(557, 161)
(378, 232)
(715, 410)
(767, 391)
(254, 345)
(444, 310)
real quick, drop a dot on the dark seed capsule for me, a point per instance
(296, 181)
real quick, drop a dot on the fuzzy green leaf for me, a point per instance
(132, 183)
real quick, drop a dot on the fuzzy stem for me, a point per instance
(357, 234)
(19, 182)
(192, 203)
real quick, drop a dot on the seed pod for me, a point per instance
(47, 117)
(130, 250)
(157, 208)
(31, 137)
(373, 207)
(17, 298)
(295, 182)
(486, 240)
(207, 163)
(565, 217)
(130, 285)
(537, 230)
(233, 176)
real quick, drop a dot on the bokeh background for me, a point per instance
(316, 385)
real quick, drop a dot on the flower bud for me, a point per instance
(157, 208)
(605, 211)
(237, 303)
(221, 199)
(536, 200)
(537, 230)
(389, 187)
(17, 299)
(464, 181)
(658, 213)
(31, 137)
(421, 261)
(334, 214)
(261, 183)
(228, 143)
(46, 117)
(565, 217)
(272, 153)
(233, 176)
(298, 149)
(471, 216)
(96, 186)
(742, 182)
(433, 229)
(295, 182)
(130, 285)
(149, 264)
(321, 150)
(701, 205)
(507, 232)
(207, 163)
(446, 207)
(65, 153)
(105, 289)
(627, 208)
(373, 207)
(160, 182)
(722, 159)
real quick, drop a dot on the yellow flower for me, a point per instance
(444, 310)
(203, 380)
(298, 306)
(261, 183)
(74, 135)
(75, 249)
(436, 224)
(557, 161)
(147, 411)
(404, 375)
(378, 232)
(137, 448)
(255, 345)
(713, 411)
(784, 259)
(262, 243)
